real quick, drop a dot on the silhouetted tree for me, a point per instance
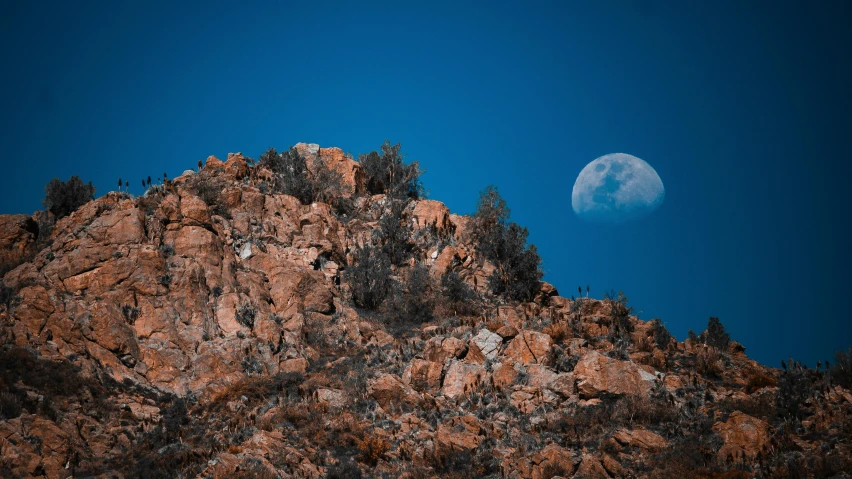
(517, 273)
(370, 278)
(388, 173)
(715, 335)
(64, 197)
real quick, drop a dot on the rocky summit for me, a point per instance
(218, 327)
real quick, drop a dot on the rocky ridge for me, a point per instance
(195, 334)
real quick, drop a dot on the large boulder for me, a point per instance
(530, 347)
(642, 439)
(488, 343)
(351, 172)
(424, 376)
(432, 214)
(390, 389)
(462, 378)
(597, 374)
(744, 437)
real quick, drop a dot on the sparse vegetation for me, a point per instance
(64, 197)
(517, 274)
(662, 336)
(413, 302)
(369, 278)
(387, 173)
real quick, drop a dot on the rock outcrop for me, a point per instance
(207, 329)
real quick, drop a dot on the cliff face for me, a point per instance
(204, 330)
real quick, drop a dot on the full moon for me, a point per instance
(615, 188)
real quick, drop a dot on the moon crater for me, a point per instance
(615, 188)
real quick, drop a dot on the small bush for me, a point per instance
(344, 469)
(209, 189)
(662, 336)
(709, 362)
(326, 184)
(64, 197)
(251, 365)
(795, 387)
(620, 334)
(372, 449)
(841, 370)
(716, 335)
(387, 173)
(370, 278)
(460, 297)
(413, 303)
(757, 380)
(294, 178)
(8, 297)
(395, 231)
(246, 315)
(291, 172)
(130, 313)
(10, 406)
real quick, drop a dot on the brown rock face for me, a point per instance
(424, 376)
(596, 373)
(17, 232)
(463, 434)
(208, 330)
(461, 378)
(432, 214)
(745, 437)
(389, 389)
(641, 438)
(352, 173)
(529, 347)
(591, 468)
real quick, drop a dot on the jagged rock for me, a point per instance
(591, 468)
(529, 347)
(596, 374)
(423, 376)
(389, 388)
(641, 438)
(744, 437)
(507, 332)
(464, 433)
(161, 327)
(488, 343)
(432, 214)
(461, 378)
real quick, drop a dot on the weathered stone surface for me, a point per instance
(641, 438)
(432, 214)
(389, 388)
(194, 211)
(461, 378)
(591, 468)
(529, 347)
(488, 343)
(440, 348)
(463, 434)
(744, 437)
(596, 374)
(423, 376)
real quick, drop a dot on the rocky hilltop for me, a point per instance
(207, 329)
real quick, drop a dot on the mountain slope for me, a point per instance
(207, 329)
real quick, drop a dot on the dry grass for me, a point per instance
(559, 332)
(709, 362)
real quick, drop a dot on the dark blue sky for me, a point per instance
(743, 108)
